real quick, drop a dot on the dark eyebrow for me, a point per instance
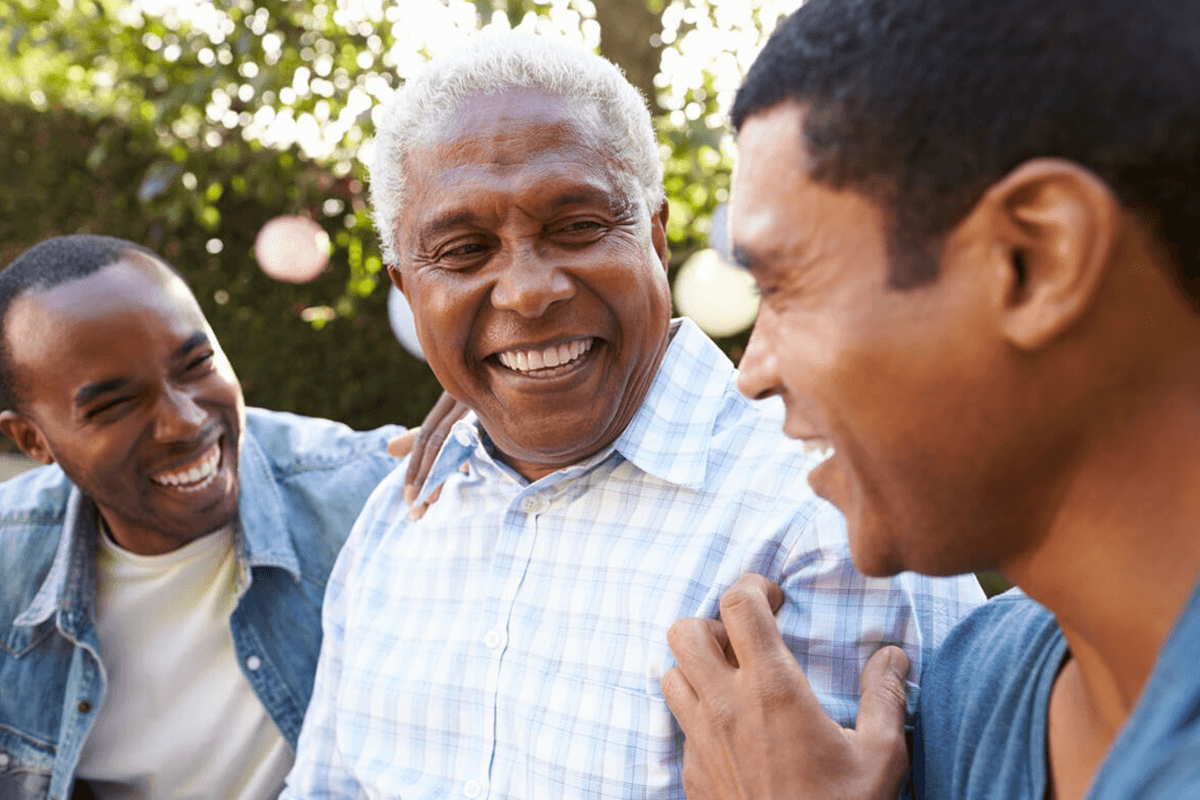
(90, 392)
(590, 196)
(195, 340)
(444, 223)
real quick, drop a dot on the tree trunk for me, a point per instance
(625, 30)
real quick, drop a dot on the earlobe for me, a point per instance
(1057, 225)
(26, 435)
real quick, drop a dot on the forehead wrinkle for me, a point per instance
(528, 197)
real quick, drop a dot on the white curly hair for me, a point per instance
(495, 62)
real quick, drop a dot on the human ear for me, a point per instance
(397, 279)
(658, 232)
(27, 435)
(1055, 228)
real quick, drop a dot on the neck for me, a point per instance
(1122, 555)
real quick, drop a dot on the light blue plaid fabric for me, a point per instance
(511, 643)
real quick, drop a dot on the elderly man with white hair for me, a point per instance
(609, 480)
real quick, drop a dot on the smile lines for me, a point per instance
(556, 356)
(194, 476)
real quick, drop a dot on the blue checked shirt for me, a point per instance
(510, 644)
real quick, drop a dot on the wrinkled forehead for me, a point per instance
(498, 109)
(513, 127)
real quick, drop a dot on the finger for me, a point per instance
(432, 434)
(881, 707)
(748, 612)
(677, 691)
(401, 445)
(416, 512)
(699, 645)
(424, 449)
(697, 783)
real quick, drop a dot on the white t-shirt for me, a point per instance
(179, 720)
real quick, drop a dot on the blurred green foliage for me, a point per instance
(164, 128)
(351, 368)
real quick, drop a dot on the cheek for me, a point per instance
(443, 317)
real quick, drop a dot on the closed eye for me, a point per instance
(463, 250)
(107, 405)
(583, 224)
(580, 231)
(199, 361)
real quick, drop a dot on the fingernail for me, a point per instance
(410, 494)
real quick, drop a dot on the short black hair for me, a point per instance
(923, 104)
(50, 263)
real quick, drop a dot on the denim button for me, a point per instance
(84, 706)
(3, 760)
(253, 663)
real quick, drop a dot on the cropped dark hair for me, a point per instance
(923, 104)
(44, 266)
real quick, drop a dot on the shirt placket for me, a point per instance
(513, 552)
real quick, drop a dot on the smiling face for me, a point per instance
(126, 388)
(910, 387)
(536, 274)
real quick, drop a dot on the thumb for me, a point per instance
(879, 731)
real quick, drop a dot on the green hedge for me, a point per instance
(63, 173)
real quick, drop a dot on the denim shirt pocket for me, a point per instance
(25, 767)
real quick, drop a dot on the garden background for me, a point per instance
(186, 125)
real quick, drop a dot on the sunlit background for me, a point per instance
(189, 125)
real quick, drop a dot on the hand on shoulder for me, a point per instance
(754, 727)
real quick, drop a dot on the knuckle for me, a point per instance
(890, 692)
(736, 598)
(722, 715)
(681, 633)
(773, 691)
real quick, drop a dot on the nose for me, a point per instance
(529, 284)
(178, 417)
(758, 374)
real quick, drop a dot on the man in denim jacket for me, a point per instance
(161, 579)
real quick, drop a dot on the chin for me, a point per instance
(873, 549)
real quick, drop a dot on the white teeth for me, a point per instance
(818, 447)
(557, 355)
(185, 480)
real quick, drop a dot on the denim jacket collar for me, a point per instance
(71, 581)
(262, 540)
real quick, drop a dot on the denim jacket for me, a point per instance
(303, 482)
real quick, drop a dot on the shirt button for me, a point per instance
(253, 663)
(531, 504)
(493, 639)
(84, 706)
(3, 760)
(472, 788)
(462, 436)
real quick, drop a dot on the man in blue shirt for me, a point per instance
(976, 227)
(162, 579)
